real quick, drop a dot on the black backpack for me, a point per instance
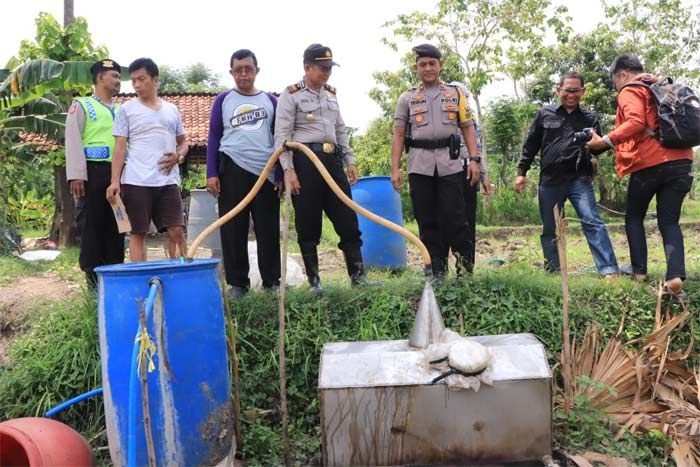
(678, 109)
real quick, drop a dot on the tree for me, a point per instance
(27, 103)
(506, 121)
(479, 32)
(71, 45)
(193, 78)
(664, 33)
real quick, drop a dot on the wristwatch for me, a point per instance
(476, 159)
(180, 158)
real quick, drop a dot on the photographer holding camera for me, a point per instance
(559, 133)
(659, 164)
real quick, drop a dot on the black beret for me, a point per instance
(105, 65)
(318, 54)
(427, 50)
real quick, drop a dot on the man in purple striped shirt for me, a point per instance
(240, 144)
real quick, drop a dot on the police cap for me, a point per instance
(104, 65)
(317, 54)
(427, 50)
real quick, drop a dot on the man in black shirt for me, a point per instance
(566, 173)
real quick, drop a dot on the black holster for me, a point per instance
(454, 143)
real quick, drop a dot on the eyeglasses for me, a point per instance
(249, 70)
(572, 90)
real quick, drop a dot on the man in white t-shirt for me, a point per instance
(150, 138)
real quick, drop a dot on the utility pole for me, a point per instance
(68, 13)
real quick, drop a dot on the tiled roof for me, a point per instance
(194, 108)
(40, 142)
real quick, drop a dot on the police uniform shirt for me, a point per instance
(76, 164)
(306, 116)
(433, 113)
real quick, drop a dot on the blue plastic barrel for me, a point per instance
(381, 248)
(189, 392)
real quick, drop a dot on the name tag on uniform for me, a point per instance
(448, 99)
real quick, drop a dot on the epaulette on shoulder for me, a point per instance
(293, 88)
(328, 88)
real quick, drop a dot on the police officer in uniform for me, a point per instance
(428, 122)
(308, 112)
(89, 149)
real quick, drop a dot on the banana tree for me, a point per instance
(34, 97)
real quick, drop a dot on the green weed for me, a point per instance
(56, 360)
(590, 429)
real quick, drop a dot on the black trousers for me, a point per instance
(316, 197)
(670, 182)
(441, 214)
(470, 197)
(265, 209)
(100, 240)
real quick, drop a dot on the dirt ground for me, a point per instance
(20, 297)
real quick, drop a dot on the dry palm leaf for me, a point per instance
(652, 387)
(686, 453)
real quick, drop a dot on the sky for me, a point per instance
(208, 31)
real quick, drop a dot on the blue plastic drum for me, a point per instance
(381, 248)
(189, 392)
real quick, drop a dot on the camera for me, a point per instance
(583, 136)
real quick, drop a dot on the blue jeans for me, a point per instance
(581, 195)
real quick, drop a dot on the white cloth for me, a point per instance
(150, 133)
(463, 354)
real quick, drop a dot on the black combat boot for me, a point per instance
(356, 268)
(311, 265)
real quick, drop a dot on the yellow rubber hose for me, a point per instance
(331, 183)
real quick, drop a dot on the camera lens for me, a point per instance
(583, 136)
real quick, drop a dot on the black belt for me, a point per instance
(325, 148)
(428, 143)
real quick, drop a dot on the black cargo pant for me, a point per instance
(441, 214)
(265, 209)
(316, 197)
(670, 182)
(100, 240)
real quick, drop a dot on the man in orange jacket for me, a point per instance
(653, 168)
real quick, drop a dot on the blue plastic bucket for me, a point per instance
(381, 248)
(189, 392)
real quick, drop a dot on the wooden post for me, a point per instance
(280, 339)
(566, 344)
